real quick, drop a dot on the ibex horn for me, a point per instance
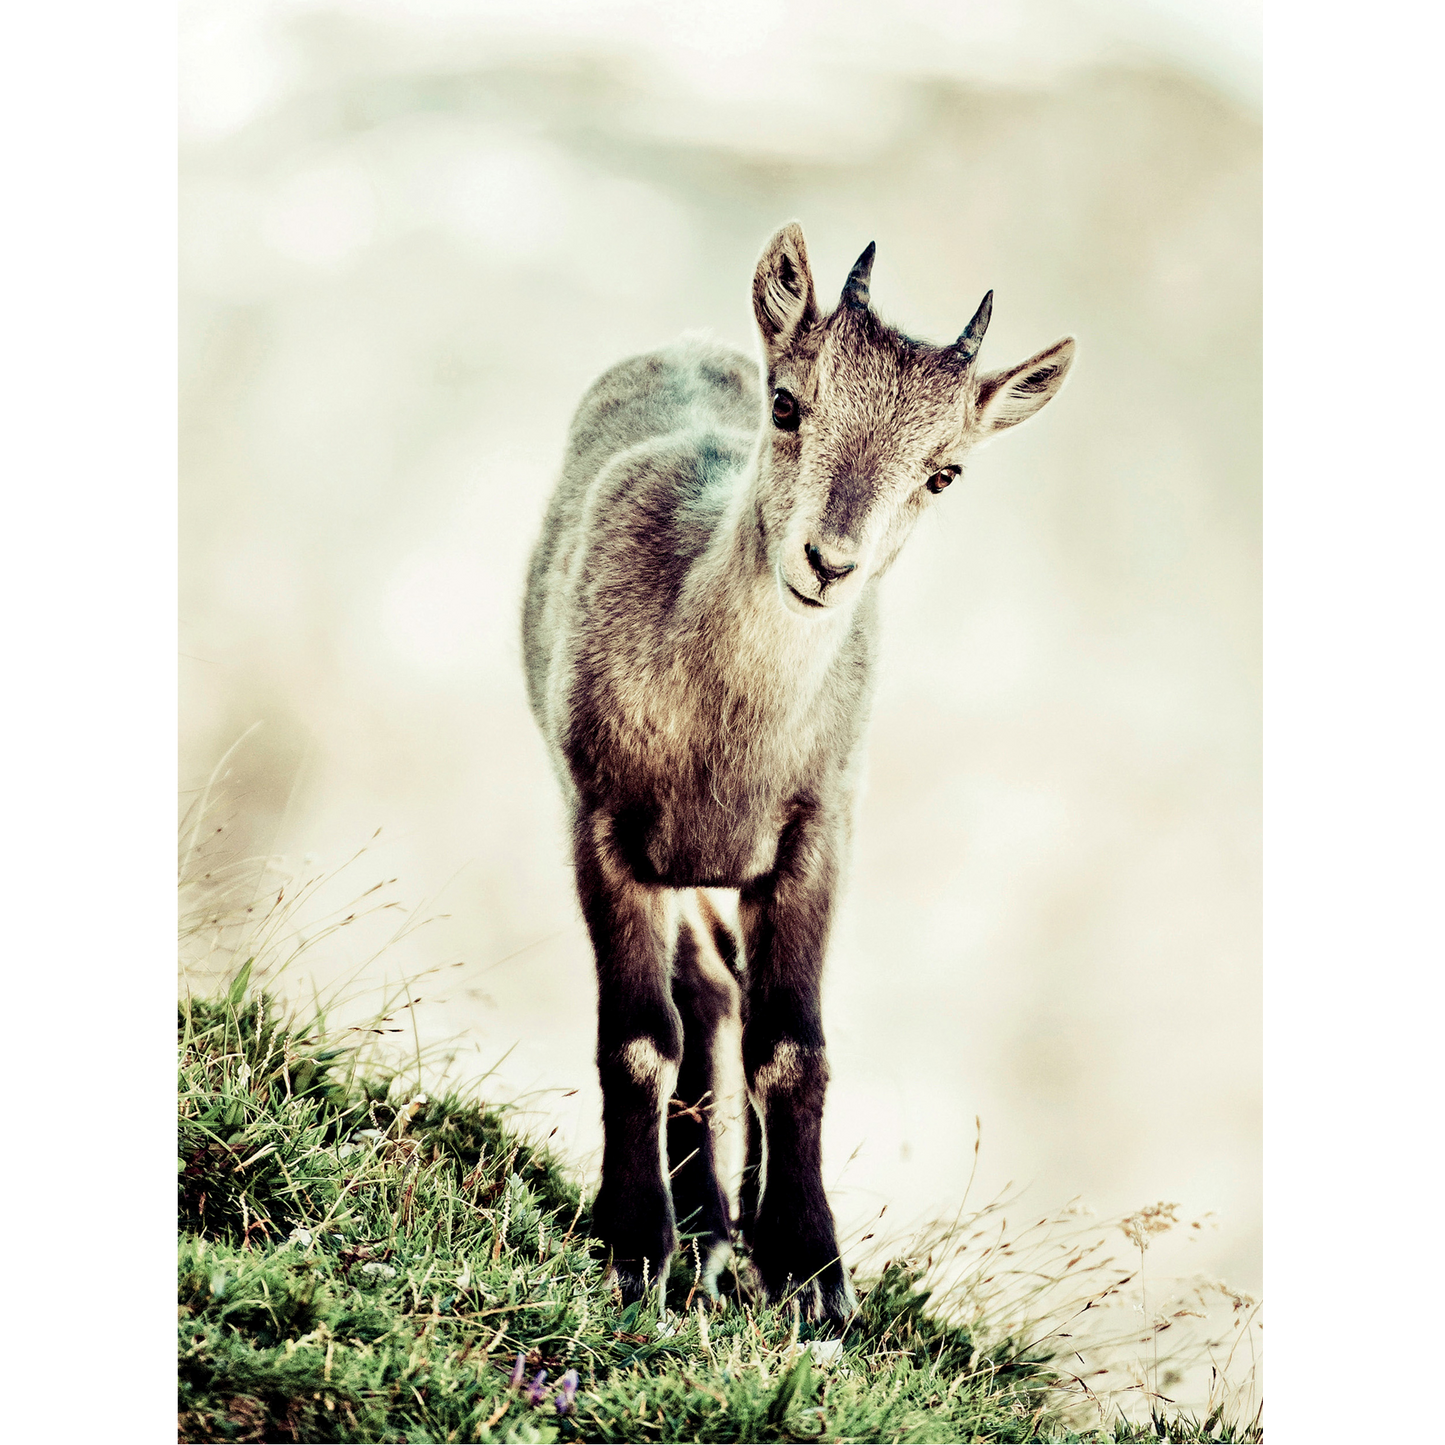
(855, 288)
(967, 345)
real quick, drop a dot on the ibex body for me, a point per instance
(700, 639)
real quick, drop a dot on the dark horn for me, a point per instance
(967, 345)
(855, 288)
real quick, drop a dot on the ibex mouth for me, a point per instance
(806, 601)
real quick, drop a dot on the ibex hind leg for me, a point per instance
(752, 1182)
(706, 997)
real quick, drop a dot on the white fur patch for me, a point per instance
(717, 1258)
(783, 1071)
(644, 1062)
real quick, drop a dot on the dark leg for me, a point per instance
(639, 1047)
(785, 932)
(705, 996)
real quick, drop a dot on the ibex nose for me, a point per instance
(829, 565)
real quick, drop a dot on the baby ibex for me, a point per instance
(700, 634)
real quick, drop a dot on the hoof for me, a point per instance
(827, 1298)
(714, 1261)
(801, 1263)
(637, 1284)
(825, 1301)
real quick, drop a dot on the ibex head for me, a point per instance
(865, 426)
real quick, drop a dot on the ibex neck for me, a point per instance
(732, 606)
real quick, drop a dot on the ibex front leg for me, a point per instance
(785, 919)
(639, 1047)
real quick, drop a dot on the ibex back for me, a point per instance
(700, 637)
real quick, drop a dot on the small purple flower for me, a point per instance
(537, 1390)
(568, 1392)
(519, 1372)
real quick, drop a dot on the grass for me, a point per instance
(360, 1262)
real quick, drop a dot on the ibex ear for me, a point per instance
(1005, 398)
(783, 290)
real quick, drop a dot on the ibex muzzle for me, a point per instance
(700, 634)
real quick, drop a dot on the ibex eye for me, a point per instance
(785, 411)
(939, 480)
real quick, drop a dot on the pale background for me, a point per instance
(412, 233)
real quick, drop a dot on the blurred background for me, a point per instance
(413, 232)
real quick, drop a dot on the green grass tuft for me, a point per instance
(359, 1263)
